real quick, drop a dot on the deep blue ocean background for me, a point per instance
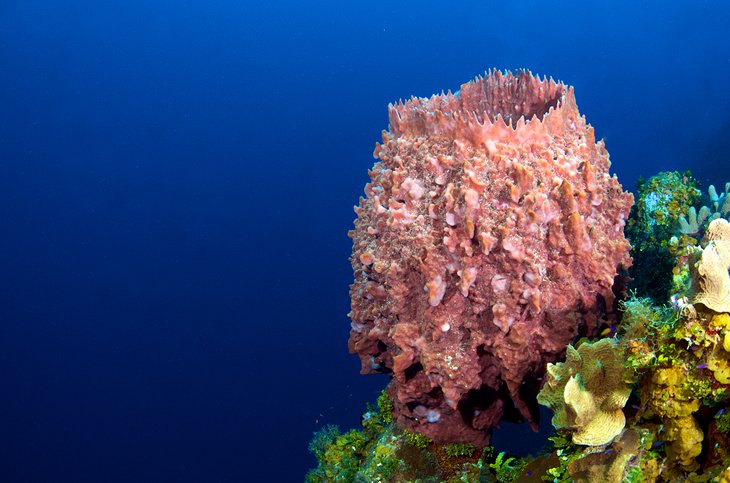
(177, 181)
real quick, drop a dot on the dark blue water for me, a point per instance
(176, 184)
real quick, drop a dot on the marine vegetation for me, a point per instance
(661, 202)
(382, 452)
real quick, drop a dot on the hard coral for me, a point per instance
(711, 281)
(718, 360)
(667, 397)
(490, 236)
(720, 202)
(588, 391)
(693, 223)
(685, 372)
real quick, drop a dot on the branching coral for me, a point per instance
(720, 202)
(692, 224)
(695, 222)
(665, 229)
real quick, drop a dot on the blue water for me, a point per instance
(177, 181)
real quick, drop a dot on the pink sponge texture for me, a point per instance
(489, 237)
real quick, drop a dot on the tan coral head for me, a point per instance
(710, 277)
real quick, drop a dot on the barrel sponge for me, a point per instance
(489, 236)
(588, 391)
(709, 269)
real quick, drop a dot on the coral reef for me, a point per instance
(588, 391)
(690, 236)
(382, 452)
(677, 426)
(488, 243)
(693, 223)
(661, 202)
(489, 238)
(680, 361)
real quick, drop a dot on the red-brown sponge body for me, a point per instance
(489, 237)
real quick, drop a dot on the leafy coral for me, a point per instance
(588, 391)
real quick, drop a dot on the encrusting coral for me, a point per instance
(588, 391)
(667, 397)
(718, 360)
(490, 236)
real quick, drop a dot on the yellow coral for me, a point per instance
(666, 396)
(719, 363)
(588, 391)
(709, 269)
(686, 437)
(721, 321)
(718, 360)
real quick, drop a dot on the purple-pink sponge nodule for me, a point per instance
(489, 237)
